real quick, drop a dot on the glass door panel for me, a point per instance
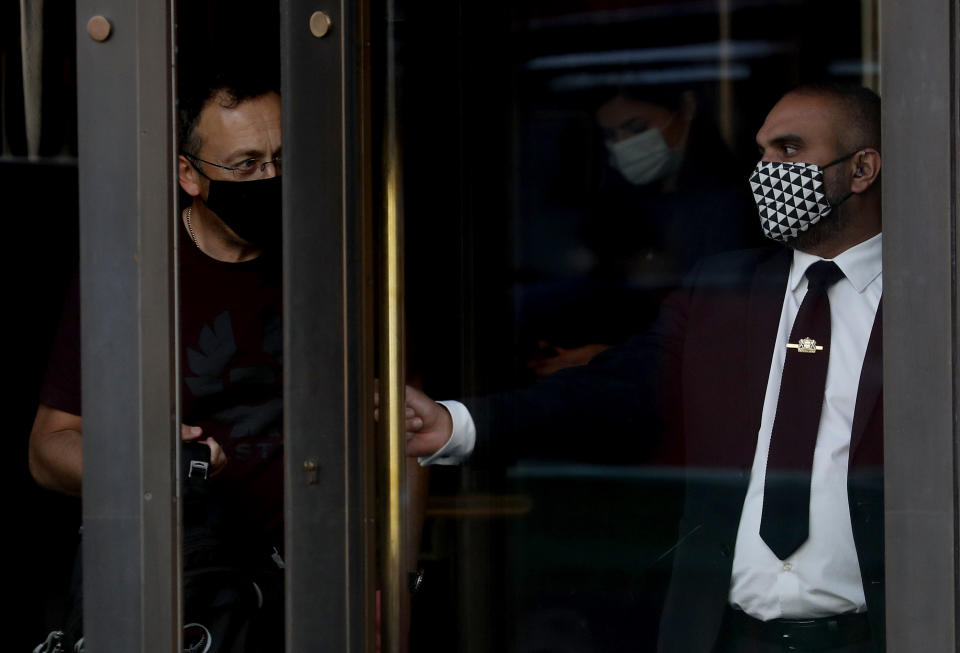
(564, 169)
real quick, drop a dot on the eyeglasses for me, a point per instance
(248, 169)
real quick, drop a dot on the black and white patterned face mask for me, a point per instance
(791, 197)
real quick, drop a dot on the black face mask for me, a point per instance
(250, 208)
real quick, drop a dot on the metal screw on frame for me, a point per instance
(320, 24)
(311, 467)
(99, 28)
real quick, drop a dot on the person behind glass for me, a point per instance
(668, 196)
(240, 131)
(767, 365)
(229, 168)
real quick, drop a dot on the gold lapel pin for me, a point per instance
(806, 346)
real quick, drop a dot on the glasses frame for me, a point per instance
(192, 158)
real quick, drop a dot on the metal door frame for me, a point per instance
(132, 561)
(921, 321)
(328, 322)
(131, 536)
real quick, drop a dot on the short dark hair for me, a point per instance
(230, 86)
(861, 107)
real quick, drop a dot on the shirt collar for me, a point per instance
(860, 264)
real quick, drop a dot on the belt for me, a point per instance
(800, 634)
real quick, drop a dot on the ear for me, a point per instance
(188, 176)
(865, 169)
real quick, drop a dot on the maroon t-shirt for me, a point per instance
(231, 362)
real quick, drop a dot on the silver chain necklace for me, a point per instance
(193, 236)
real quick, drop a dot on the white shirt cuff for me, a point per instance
(460, 445)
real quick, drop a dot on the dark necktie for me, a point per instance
(785, 522)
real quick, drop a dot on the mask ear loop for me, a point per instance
(858, 173)
(840, 160)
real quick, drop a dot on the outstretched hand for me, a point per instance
(217, 458)
(428, 424)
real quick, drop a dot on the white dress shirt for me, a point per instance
(823, 576)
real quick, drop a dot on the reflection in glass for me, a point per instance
(587, 165)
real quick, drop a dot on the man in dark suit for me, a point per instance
(767, 364)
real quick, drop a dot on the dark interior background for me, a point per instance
(40, 209)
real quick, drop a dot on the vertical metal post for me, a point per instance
(921, 314)
(391, 456)
(328, 334)
(31, 58)
(131, 566)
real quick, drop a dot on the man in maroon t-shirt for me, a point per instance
(230, 311)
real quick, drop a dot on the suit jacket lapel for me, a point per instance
(871, 381)
(763, 319)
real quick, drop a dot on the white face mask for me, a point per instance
(643, 158)
(791, 197)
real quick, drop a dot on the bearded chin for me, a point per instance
(826, 228)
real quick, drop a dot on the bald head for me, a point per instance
(855, 111)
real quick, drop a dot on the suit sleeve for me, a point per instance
(617, 409)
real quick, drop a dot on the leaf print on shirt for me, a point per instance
(217, 347)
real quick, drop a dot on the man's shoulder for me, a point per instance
(742, 266)
(747, 259)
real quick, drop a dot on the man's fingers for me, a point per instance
(218, 459)
(414, 423)
(417, 404)
(190, 432)
(420, 403)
